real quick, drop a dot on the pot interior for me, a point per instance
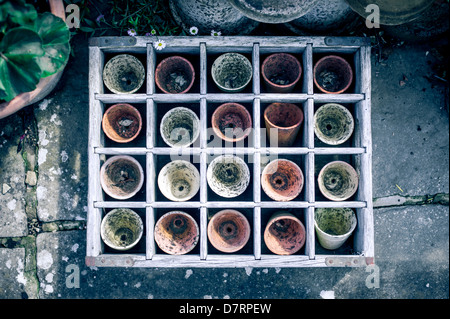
(175, 75)
(283, 114)
(232, 120)
(124, 73)
(122, 122)
(335, 221)
(334, 124)
(122, 228)
(122, 177)
(229, 230)
(180, 127)
(339, 181)
(232, 71)
(285, 235)
(282, 69)
(179, 180)
(333, 74)
(283, 180)
(176, 233)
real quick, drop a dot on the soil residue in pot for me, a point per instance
(330, 81)
(176, 81)
(126, 126)
(123, 175)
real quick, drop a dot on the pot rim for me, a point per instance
(273, 163)
(351, 170)
(244, 59)
(112, 159)
(344, 110)
(189, 217)
(108, 215)
(167, 167)
(219, 132)
(162, 64)
(284, 127)
(347, 66)
(347, 234)
(168, 113)
(292, 57)
(130, 107)
(139, 63)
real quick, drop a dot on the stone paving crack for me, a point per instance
(399, 200)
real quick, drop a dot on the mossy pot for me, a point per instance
(232, 72)
(121, 229)
(228, 176)
(180, 127)
(334, 226)
(338, 181)
(124, 74)
(179, 181)
(333, 124)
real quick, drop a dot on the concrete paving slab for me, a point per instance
(12, 273)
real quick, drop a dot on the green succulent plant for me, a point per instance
(32, 46)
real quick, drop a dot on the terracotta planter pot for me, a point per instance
(283, 121)
(281, 72)
(334, 226)
(176, 233)
(232, 72)
(121, 176)
(45, 85)
(282, 180)
(180, 127)
(333, 124)
(228, 176)
(174, 75)
(123, 74)
(228, 230)
(333, 74)
(285, 234)
(179, 180)
(338, 181)
(231, 122)
(122, 123)
(121, 229)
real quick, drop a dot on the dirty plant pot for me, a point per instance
(285, 234)
(232, 72)
(232, 122)
(333, 74)
(333, 124)
(180, 127)
(121, 176)
(179, 180)
(124, 74)
(228, 230)
(122, 123)
(338, 181)
(282, 180)
(281, 72)
(121, 228)
(176, 233)
(333, 226)
(175, 75)
(283, 121)
(228, 176)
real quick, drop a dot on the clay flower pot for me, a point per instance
(333, 124)
(231, 122)
(282, 180)
(333, 226)
(180, 127)
(121, 176)
(285, 234)
(121, 228)
(179, 180)
(122, 123)
(228, 176)
(333, 74)
(338, 181)
(283, 121)
(228, 230)
(232, 72)
(281, 72)
(174, 75)
(123, 74)
(176, 233)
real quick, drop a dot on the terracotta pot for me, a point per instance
(283, 121)
(333, 74)
(228, 176)
(45, 85)
(338, 181)
(122, 123)
(281, 72)
(228, 230)
(121, 176)
(232, 72)
(180, 127)
(282, 180)
(334, 226)
(176, 233)
(231, 122)
(123, 74)
(333, 124)
(174, 75)
(121, 228)
(179, 180)
(285, 234)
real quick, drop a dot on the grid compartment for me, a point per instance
(203, 98)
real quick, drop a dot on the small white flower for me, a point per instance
(215, 33)
(159, 45)
(132, 32)
(193, 30)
